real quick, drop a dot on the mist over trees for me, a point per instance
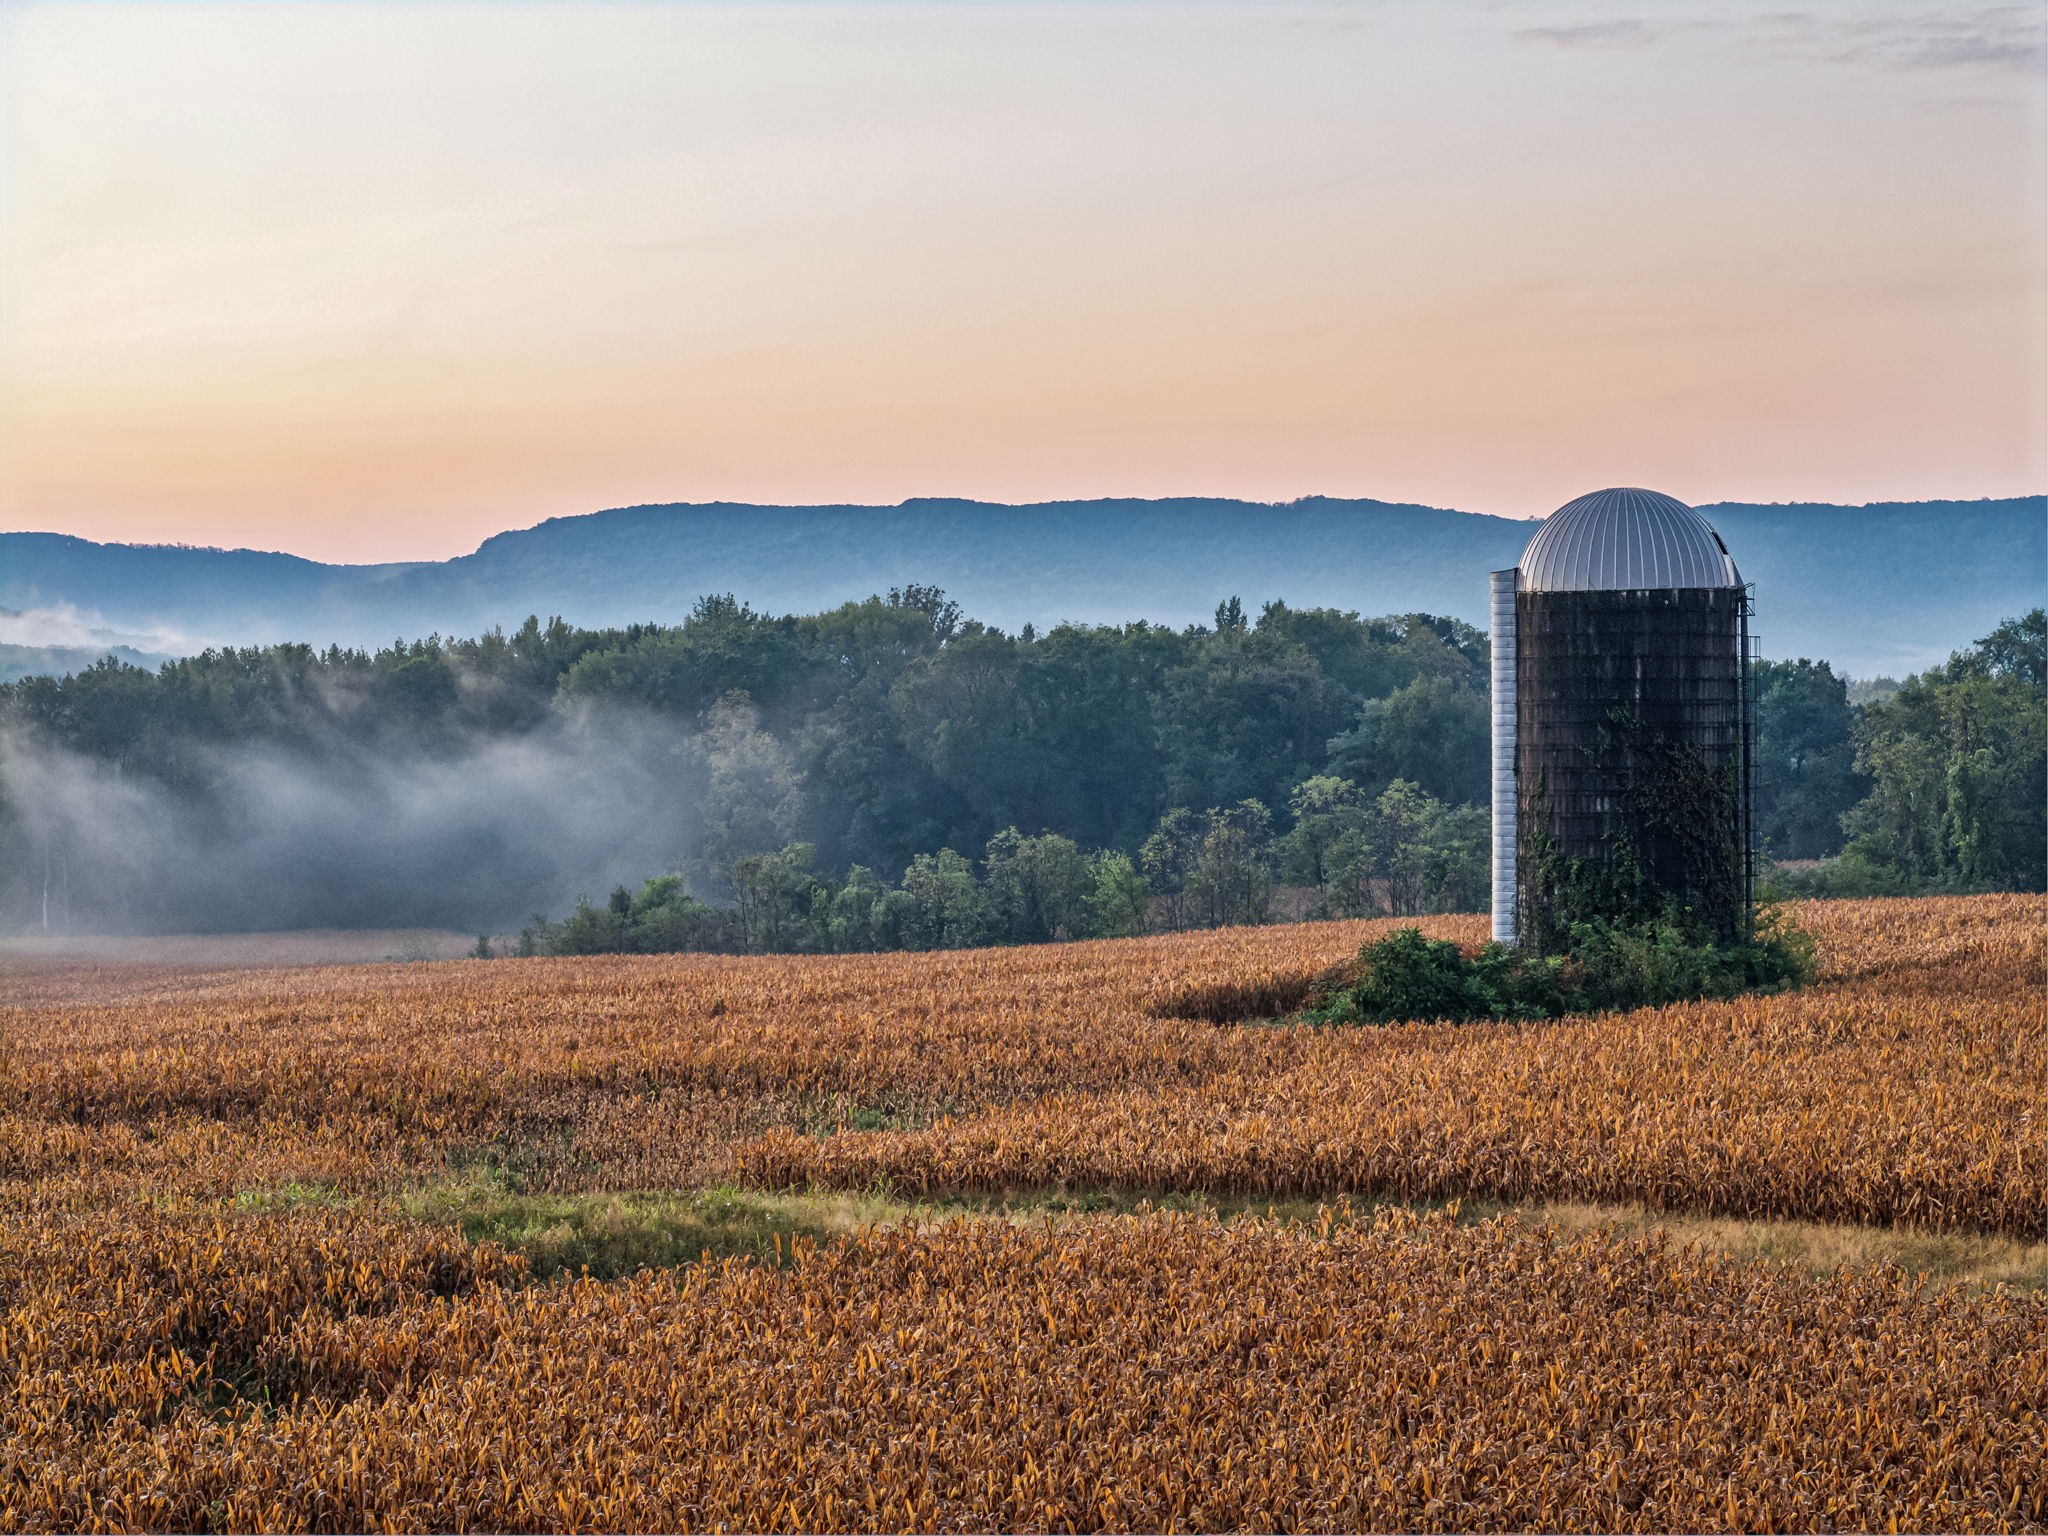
(474, 782)
(892, 773)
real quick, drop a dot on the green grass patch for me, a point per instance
(830, 1114)
(291, 1196)
(616, 1233)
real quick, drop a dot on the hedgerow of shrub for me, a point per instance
(1607, 966)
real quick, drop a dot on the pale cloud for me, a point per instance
(1633, 32)
(2010, 38)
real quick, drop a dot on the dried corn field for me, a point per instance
(1906, 1088)
(218, 1308)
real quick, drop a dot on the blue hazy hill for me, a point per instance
(1887, 587)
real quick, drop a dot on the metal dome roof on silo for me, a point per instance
(1625, 540)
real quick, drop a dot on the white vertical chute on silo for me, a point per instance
(1503, 638)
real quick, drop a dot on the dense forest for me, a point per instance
(893, 772)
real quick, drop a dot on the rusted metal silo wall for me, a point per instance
(1628, 753)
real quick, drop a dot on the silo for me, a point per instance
(1621, 729)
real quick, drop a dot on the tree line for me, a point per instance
(1402, 853)
(1939, 783)
(893, 772)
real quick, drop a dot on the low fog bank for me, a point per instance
(64, 626)
(344, 832)
(298, 946)
(58, 641)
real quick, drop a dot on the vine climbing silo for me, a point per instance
(1621, 747)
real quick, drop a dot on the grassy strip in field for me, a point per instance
(614, 1233)
(1947, 1258)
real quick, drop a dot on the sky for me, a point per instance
(374, 281)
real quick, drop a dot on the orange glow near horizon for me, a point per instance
(376, 282)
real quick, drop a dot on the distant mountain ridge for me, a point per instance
(1887, 587)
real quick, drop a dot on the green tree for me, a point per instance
(2017, 650)
(1958, 760)
(1457, 873)
(1168, 860)
(1096, 696)
(872, 801)
(666, 918)
(1036, 888)
(1324, 807)
(1246, 716)
(774, 895)
(1119, 900)
(966, 714)
(1432, 732)
(857, 914)
(1232, 880)
(1401, 829)
(1351, 884)
(723, 648)
(753, 794)
(1409, 854)
(939, 903)
(1362, 659)
(1805, 757)
(619, 908)
(588, 930)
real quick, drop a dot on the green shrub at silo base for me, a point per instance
(1408, 976)
(1609, 965)
(1669, 960)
